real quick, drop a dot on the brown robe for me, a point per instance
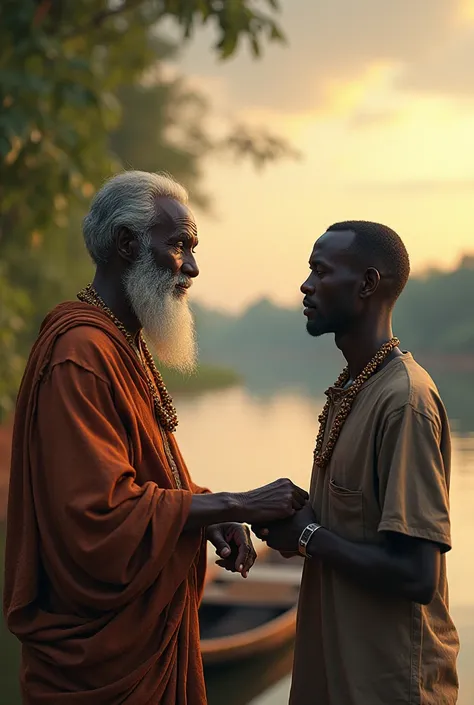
(101, 586)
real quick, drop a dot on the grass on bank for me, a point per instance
(205, 378)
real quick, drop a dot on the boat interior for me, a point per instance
(232, 605)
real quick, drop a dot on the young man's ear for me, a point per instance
(370, 283)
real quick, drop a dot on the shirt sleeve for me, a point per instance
(413, 479)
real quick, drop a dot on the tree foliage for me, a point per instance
(63, 64)
(82, 94)
(13, 310)
(434, 312)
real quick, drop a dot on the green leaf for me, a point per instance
(88, 80)
(5, 146)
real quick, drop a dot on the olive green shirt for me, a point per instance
(389, 471)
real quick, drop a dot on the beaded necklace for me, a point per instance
(322, 457)
(163, 404)
(164, 409)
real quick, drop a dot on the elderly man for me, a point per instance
(106, 533)
(373, 619)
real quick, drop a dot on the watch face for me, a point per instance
(303, 536)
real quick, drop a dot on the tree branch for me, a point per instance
(41, 12)
(98, 19)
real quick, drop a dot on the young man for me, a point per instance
(106, 532)
(373, 621)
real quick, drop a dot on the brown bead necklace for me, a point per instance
(322, 457)
(164, 409)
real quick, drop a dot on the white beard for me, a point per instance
(164, 313)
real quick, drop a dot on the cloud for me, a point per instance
(446, 70)
(329, 42)
(417, 187)
(369, 119)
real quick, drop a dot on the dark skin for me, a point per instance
(173, 242)
(401, 566)
(352, 298)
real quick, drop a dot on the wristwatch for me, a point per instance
(305, 537)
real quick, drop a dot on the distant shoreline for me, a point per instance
(208, 378)
(438, 362)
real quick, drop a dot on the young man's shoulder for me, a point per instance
(408, 384)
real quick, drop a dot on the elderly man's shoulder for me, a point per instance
(86, 345)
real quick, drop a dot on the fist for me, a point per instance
(280, 499)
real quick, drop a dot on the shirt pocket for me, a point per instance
(346, 511)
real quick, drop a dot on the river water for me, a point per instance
(235, 441)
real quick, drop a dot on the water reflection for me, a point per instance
(242, 683)
(265, 381)
(235, 440)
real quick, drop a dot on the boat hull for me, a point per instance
(241, 619)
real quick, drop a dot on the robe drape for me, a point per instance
(102, 587)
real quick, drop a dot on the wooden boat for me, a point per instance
(242, 682)
(241, 618)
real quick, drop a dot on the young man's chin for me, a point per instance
(315, 331)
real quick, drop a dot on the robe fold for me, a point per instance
(102, 587)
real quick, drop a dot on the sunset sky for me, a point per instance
(378, 96)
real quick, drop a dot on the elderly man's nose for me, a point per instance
(190, 267)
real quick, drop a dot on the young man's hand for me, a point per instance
(284, 535)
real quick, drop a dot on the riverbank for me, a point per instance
(206, 378)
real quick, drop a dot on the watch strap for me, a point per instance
(305, 538)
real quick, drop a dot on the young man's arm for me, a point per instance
(403, 566)
(413, 495)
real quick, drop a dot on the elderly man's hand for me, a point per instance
(234, 547)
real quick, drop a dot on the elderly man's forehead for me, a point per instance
(172, 211)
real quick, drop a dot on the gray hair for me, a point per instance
(126, 200)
